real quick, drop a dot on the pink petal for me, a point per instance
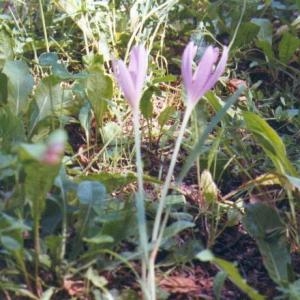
(202, 73)
(218, 71)
(138, 67)
(187, 65)
(125, 82)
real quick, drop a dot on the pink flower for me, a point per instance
(207, 72)
(131, 79)
(53, 154)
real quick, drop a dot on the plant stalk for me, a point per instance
(44, 26)
(159, 224)
(140, 205)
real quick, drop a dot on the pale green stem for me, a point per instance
(161, 204)
(139, 198)
(44, 26)
(159, 224)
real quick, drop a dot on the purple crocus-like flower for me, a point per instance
(207, 72)
(131, 79)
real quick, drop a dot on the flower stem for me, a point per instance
(159, 224)
(140, 205)
(167, 183)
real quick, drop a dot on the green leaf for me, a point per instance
(119, 223)
(264, 224)
(39, 175)
(166, 78)
(266, 47)
(50, 98)
(232, 272)
(246, 34)
(176, 227)
(6, 47)
(58, 69)
(146, 105)
(265, 32)
(166, 115)
(271, 143)
(20, 84)
(91, 192)
(172, 200)
(48, 58)
(287, 46)
(99, 239)
(11, 128)
(85, 118)
(99, 91)
(93, 276)
(218, 284)
(10, 243)
(3, 88)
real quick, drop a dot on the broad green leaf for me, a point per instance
(20, 84)
(266, 29)
(120, 223)
(58, 69)
(266, 47)
(11, 128)
(6, 47)
(264, 224)
(176, 227)
(48, 58)
(232, 272)
(146, 105)
(10, 243)
(287, 46)
(51, 98)
(246, 34)
(165, 115)
(91, 192)
(99, 91)
(269, 140)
